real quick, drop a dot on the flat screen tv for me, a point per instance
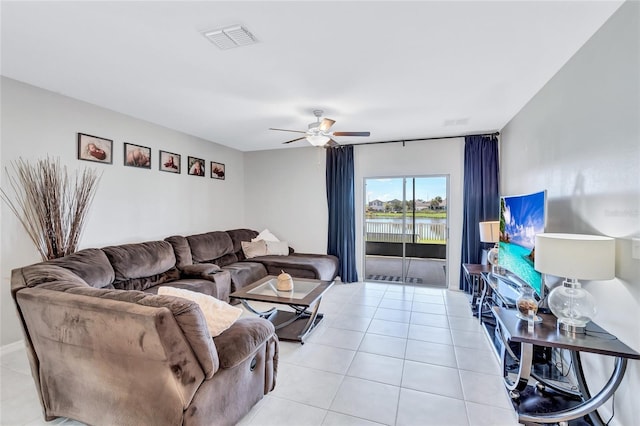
(521, 218)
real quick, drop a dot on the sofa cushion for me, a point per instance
(206, 248)
(219, 315)
(92, 265)
(43, 273)
(245, 273)
(200, 285)
(241, 340)
(186, 313)
(239, 235)
(265, 235)
(181, 249)
(143, 265)
(200, 269)
(301, 265)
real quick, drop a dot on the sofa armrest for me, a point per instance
(199, 270)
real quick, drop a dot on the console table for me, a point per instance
(596, 340)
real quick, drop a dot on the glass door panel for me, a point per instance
(406, 229)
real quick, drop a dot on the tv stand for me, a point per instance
(538, 391)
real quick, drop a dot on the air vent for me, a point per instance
(230, 37)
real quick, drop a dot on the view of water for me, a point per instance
(514, 258)
(409, 220)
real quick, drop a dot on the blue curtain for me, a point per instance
(481, 196)
(342, 213)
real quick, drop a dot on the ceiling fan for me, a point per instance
(318, 133)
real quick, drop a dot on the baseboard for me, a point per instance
(11, 347)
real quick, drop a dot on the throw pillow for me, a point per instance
(254, 249)
(265, 235)
(219, 315)
(279, 248)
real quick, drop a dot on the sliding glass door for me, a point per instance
(405, 229)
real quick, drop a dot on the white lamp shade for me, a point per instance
(490, 231)
(587, 257)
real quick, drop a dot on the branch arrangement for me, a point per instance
(50, 205)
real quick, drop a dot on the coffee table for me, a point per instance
(306, 294)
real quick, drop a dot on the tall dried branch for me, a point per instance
(51, 207)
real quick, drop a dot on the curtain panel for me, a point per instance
(341, 240)
(481, 195)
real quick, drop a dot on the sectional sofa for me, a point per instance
(105, 349)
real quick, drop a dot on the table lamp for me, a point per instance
(490, 233)
(574, 256)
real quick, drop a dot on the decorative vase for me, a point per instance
(527, 303)
(285, 282)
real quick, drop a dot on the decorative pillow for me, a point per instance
(265, 235)
(279, 248)
(219, 315)
(254, 248)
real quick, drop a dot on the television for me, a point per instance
(521, 218)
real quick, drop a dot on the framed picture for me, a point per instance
(196, 166)
(137, 156)
(217, 170)
(94, 148)
(170, 162)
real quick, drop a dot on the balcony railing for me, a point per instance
(398, 232)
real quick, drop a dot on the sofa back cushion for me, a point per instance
(237, 237)
(41, 273)
(181, 249)
(92, 265)
(143, 265)
(211, 247)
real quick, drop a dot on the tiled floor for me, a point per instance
(385, 354)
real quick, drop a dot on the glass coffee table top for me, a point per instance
(301, 289)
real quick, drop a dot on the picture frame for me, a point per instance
(137, 156)
(95, 148)
(170, 162)
(196, 166)
(217, 170)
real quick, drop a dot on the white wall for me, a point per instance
(131, 205)
(286, 190)
(420, 158)
(579, 138)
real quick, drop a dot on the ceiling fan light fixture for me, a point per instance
(318, 140)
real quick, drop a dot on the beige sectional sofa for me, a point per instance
(104, 349)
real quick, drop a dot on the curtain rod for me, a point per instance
(421, 139)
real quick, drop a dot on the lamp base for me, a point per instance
(569, 328)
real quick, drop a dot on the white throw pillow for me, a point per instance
(265, 235)
(254, 249)
(279, 248)
(219, 315)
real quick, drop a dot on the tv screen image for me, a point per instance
(521, 218)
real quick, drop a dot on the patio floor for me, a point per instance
(427, 272)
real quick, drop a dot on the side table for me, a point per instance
(596, 340)
(473, 276)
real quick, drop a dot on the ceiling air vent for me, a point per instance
(230, 37)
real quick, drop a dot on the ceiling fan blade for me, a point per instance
(326, 124)
(351, 133)
(293, 140)
(286, 130)
(331, 144)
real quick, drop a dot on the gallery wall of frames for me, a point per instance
(101, 150)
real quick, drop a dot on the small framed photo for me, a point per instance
(170, 162)
(196, 166)
(137, 156)
(217, 170)
(94, 148)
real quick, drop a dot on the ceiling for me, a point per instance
(401, 70)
